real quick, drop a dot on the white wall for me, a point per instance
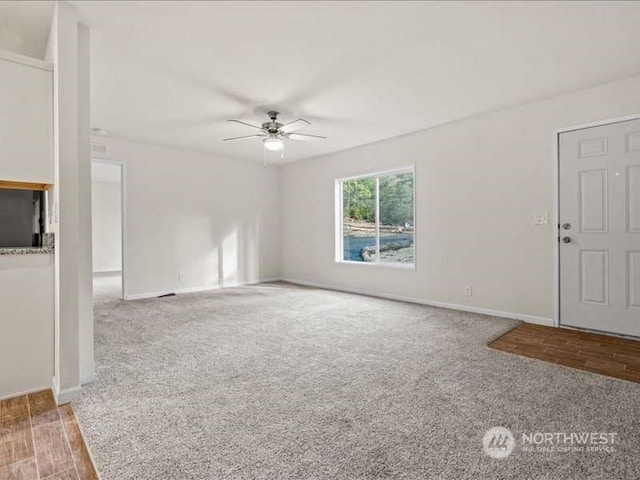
(214, 221)
(107, 225)
(479, 183)
(70, 203)
(85, 277)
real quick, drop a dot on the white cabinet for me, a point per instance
(26, 122)
(26, 319)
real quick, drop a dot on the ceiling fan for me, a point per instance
(273, 132)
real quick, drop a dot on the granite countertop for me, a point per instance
(46, 248)
(26, 250)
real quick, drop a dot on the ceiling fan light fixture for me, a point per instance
(273, 144)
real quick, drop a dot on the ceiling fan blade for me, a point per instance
(305, 137)
(295, 125)
(242, 138)
(247, 124)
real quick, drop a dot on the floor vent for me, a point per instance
(167, 295)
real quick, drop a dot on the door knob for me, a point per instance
(566, 239)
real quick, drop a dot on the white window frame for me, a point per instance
(339, 224)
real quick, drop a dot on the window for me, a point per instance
(376, 218)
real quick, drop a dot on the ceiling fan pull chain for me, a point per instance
(264, 158)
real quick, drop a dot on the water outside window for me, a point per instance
(378, 219)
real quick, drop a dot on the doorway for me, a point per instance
(107, 229)
(599, 221)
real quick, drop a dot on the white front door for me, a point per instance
(600, 228)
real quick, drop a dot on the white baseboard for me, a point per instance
(433, 303)
(66, 395)
(452, 306)
(26, 392)
(205, 288)
(106, 273)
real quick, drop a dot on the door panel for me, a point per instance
(593, 147)
(594, 276)
(634, 279)
(600, 228)
(633, 141)
(593, 201)
(633, 199)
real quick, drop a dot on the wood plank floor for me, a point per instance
(39, 440)
(611, 356)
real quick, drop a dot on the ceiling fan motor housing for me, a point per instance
(272, 126)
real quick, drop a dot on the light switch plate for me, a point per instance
(541, 218)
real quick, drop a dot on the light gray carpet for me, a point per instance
(281, 382)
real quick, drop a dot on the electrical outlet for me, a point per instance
(468, 291)
(541, 218)
(181, 277)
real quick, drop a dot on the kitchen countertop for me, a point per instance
(26, 250)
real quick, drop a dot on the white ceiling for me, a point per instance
(171, 73)
(25, 26)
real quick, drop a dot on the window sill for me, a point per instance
(397, 266)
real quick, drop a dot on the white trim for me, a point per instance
(106, 273)
(123, 218)
(339, 224)
(415, 216)
(396, 265)
(89, 378)
(555, 145)
(205, 288)
(24, 60)
(452, 306)
(125, 232)
(389, 171)
(266, 280)
(598, 123)
(377, 220)
(67, 395)
(556, 230)
(26, 392)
